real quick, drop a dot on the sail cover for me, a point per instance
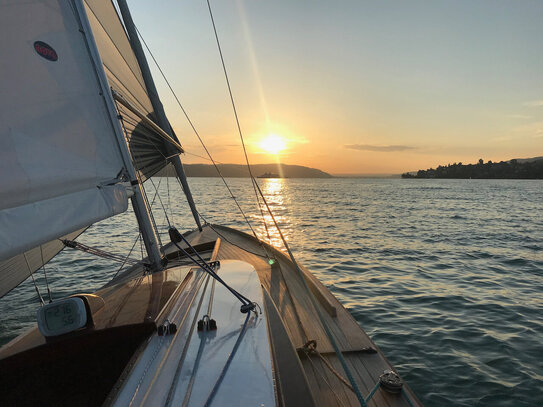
(149, 151)
(59, 158)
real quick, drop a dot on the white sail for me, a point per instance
(59, 158)
(148, 149)
(18, 268)
(120, 63)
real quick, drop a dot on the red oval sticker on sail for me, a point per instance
(45, 50)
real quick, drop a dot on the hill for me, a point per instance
(527, 160)
(527, 168)
(241, 171)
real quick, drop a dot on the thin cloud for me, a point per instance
(369, 147)
(534, 130)
(536, 127)
(534, 103)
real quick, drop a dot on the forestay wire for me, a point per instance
(339, 354)
(342, 360)
(197, 134)
(253, 181)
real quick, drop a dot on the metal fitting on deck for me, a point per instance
(391, 382)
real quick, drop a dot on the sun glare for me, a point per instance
(273, 144)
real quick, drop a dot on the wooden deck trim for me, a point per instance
(295, 390)
(216, 249)
(352, 340)
(316, 290)
(172, 253)
(313, 283)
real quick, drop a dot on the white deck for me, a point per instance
(182, 369)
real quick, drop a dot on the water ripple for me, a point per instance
(445, 275)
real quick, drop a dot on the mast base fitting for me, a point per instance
(391, 382)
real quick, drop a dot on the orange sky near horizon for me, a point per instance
(356, 87)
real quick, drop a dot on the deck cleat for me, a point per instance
(207, 324)
(167, 328)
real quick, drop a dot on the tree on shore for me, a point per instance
(502, 170)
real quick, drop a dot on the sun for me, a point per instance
(273, 144)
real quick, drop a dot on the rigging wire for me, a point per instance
(197, 134)
(324, 324)
(160, 200)
(109, 255)
(256, 186)
(45, 275)
(253, 181)
(33, 280)
(202, 157)
(127, 256)
(141, 249)
(138, 176)
(353, 384)
(151, 215)
(266, 255)
(166, 160)
(72, 244)
(175, 237)
(139, 237)
(168, 189)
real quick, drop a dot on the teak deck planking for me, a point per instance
(301, 380)
(280, 279)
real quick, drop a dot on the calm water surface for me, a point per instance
(445, 275)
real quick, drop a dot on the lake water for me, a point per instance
(445, 275)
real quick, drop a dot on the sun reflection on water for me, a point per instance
(274, 189)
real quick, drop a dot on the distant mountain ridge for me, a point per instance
(241, 171)
(527, 160)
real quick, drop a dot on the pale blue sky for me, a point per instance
(356, 86)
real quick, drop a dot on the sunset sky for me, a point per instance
(354, 86)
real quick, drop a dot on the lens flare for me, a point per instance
(273, 144)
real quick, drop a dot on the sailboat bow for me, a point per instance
(216, 317)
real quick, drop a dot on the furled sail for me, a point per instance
(148, 148)
(59, 159)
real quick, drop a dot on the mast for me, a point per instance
(138, 202)
(157, 104)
